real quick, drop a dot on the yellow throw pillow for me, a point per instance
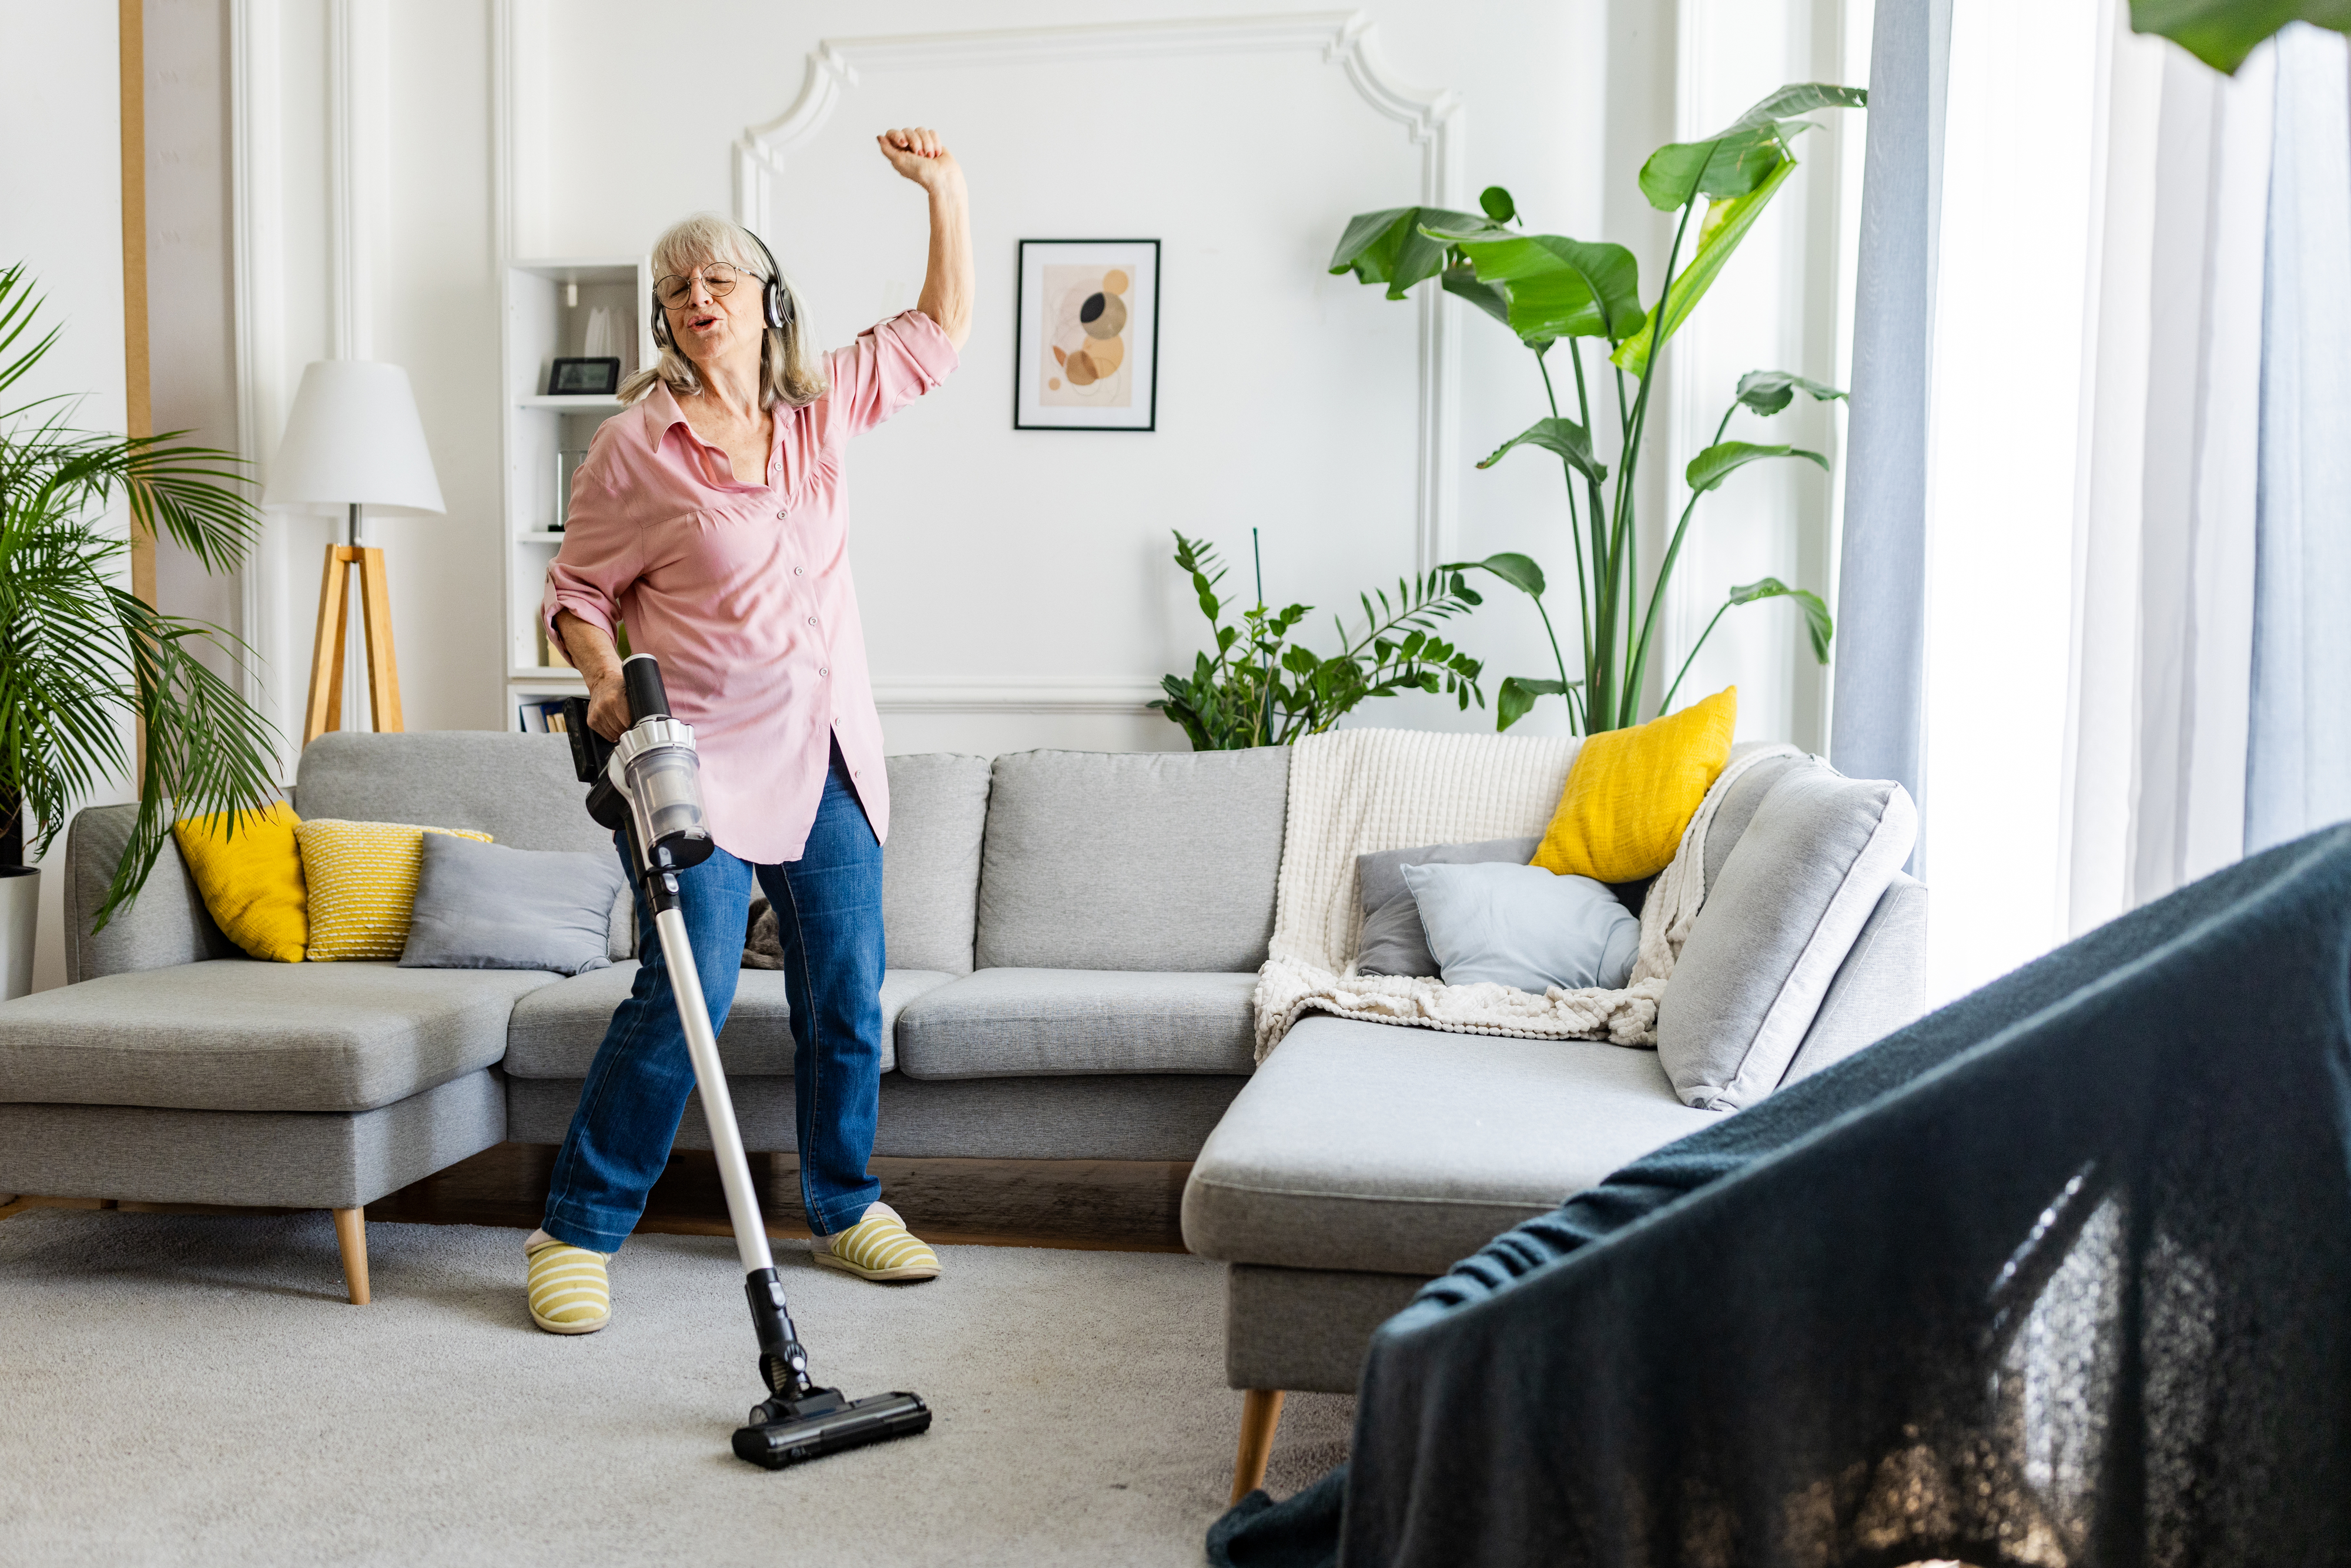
(362, 882)
(251, 878)
(1630, 792)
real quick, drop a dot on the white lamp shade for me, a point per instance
(354, 437)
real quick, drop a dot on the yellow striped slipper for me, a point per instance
(878, 1247)
(570, 1292)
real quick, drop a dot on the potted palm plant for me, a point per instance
(84, 664)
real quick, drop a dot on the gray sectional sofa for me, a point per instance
(1072, 937)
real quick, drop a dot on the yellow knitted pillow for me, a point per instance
(363, 883)
(251, 878)
(1630, 792)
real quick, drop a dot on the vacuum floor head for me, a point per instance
(788, 1432)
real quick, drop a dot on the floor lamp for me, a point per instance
(353, 440)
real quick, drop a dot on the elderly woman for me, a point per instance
(710, 518)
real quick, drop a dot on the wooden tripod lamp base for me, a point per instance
(325, 710)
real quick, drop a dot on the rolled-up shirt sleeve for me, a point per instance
(601, 554)
(890, 365)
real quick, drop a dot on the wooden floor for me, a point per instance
(1113, 1205)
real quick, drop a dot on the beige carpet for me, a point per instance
(194, 1390)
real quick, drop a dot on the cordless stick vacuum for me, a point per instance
(648, 785)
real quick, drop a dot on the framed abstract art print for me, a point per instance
(1089, 335)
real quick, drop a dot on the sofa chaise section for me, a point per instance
(1363, 1159)
(176, 1069)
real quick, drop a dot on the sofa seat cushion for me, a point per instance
(237, 1035)
(1391, 1150)
(1021, 1023)
(557, 1030)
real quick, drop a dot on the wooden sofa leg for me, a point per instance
(1261, 1414)
(351, 1235)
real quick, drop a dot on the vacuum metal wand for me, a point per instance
(647, 785)
(717, 1107)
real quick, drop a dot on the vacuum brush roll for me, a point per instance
(780, 1435)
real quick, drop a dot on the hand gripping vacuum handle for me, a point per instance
(592, 754)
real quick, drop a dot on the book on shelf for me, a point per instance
(542, 716)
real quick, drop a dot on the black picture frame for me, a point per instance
(598, 377)
(1024, 361)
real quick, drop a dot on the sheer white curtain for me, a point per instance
(2162, 645)
(2137, 514)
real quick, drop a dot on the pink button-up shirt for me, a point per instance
(743, 591)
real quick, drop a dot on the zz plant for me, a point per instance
(81, 658)
(1552, 291)
(1262, 688)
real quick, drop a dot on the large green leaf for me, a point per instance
(1388, 246)
(2221, 33)
(1710, 467)
(1769, 392)
(1742, 154)
(1565, 436)
(1557, 287)
(1517, 697)
(1816, 614)
(1461, 279)
(1727, 224)
(1520, 572)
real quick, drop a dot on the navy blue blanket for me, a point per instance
(2059, 1274)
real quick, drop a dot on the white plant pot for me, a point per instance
(20, 918)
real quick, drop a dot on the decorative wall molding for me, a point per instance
(347, 237)
(1010, 696)
(257, 247)
(1432, 120)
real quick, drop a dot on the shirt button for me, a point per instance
(812, 619)
(822, 670)
(782, 512)
(797, 572)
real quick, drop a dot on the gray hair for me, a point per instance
(789, 371)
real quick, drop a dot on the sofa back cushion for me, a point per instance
(1776, 926)
(930, 869)
(518, 789)
(1131, 859)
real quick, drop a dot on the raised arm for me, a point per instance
(917, 152)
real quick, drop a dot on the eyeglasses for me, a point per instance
(718, 278)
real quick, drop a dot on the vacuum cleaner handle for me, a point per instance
(641, 677)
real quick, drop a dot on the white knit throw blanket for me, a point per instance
(1358, 791)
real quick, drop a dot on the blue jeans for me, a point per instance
(828, 913)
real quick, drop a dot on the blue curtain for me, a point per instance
(2298, 761)
(1876, 728)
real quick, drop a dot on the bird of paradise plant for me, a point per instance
(1551, 290)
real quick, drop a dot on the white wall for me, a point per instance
(1028, 560)
(61, 214)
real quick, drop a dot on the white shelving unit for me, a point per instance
(547, 304)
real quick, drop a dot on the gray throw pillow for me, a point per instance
(1392, 942)
(1778, 920)
(490, 906)
(1521, 925)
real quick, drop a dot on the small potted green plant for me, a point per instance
(1264, 687)
(85, 664)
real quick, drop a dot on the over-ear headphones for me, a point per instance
(775, 304)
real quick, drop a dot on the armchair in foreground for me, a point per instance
(2059, 1274)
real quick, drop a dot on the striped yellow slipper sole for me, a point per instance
(570, 1292)
(878, 1247)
